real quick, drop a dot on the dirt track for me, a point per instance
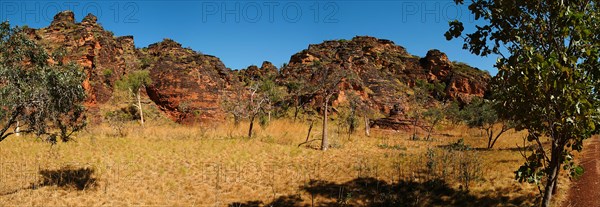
(586, 190)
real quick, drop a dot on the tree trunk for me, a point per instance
(324, 141)
(296, 114)
(139, 101)
(490, 133)
(18, 129)
(429, 133)
(552, 175)
(367, 127)
(498, 136)
(414, 136)
(309, 130)
(9, 123)
(296, 109)
(251, 126)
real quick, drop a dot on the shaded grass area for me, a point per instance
(374, 192)
(68, 178)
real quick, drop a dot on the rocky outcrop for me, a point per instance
(186, 85)
(254, 73)
(103, 57)
(436, 64)
(397, 120)
(387, 73)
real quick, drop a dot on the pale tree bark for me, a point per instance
(139, 105)
(367, 127)
(11, 120)
(324, 140)
(18, 129)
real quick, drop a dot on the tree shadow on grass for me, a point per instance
(288, 201)
(68, 178)
(374, 192)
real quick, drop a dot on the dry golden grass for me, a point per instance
(215, 165)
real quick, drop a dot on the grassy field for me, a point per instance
(172, 165)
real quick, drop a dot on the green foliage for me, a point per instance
(482, 114)
(456, 162)
(437, 89)
(116, 120)
(135, 81)
(547, 74)
(45, 99)
(349, 113)
(479, 114)
(258, 100)
(452, 112)
(459, 145)
(433, 116)
(107, 72)
(145, 62)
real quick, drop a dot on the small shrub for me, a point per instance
(116, 120)
(431, 161)
(470, 169)
(459, 145)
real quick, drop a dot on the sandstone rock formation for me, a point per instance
(254, 73)
(103, 57)
(397, 120)
(186, 85)
(387, 72)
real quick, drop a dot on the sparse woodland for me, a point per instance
(356, 122)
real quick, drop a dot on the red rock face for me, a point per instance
(103, 57)
(387, 72)
(437, 65)
(463, 88)
(254, 73)
(186, 85)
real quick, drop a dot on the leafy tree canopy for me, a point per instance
(547, 74)
(36, 96)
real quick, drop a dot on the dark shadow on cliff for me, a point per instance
(374, 192)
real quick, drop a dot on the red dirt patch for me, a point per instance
(586, 190)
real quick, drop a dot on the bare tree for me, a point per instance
(255, 100)
(326, 80)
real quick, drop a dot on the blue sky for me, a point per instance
(244, 33)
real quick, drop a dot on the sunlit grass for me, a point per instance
(216, 165)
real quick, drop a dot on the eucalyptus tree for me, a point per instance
(548, 75)
(43, 98)
(134, 83)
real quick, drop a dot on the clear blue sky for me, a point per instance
(244, 33)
